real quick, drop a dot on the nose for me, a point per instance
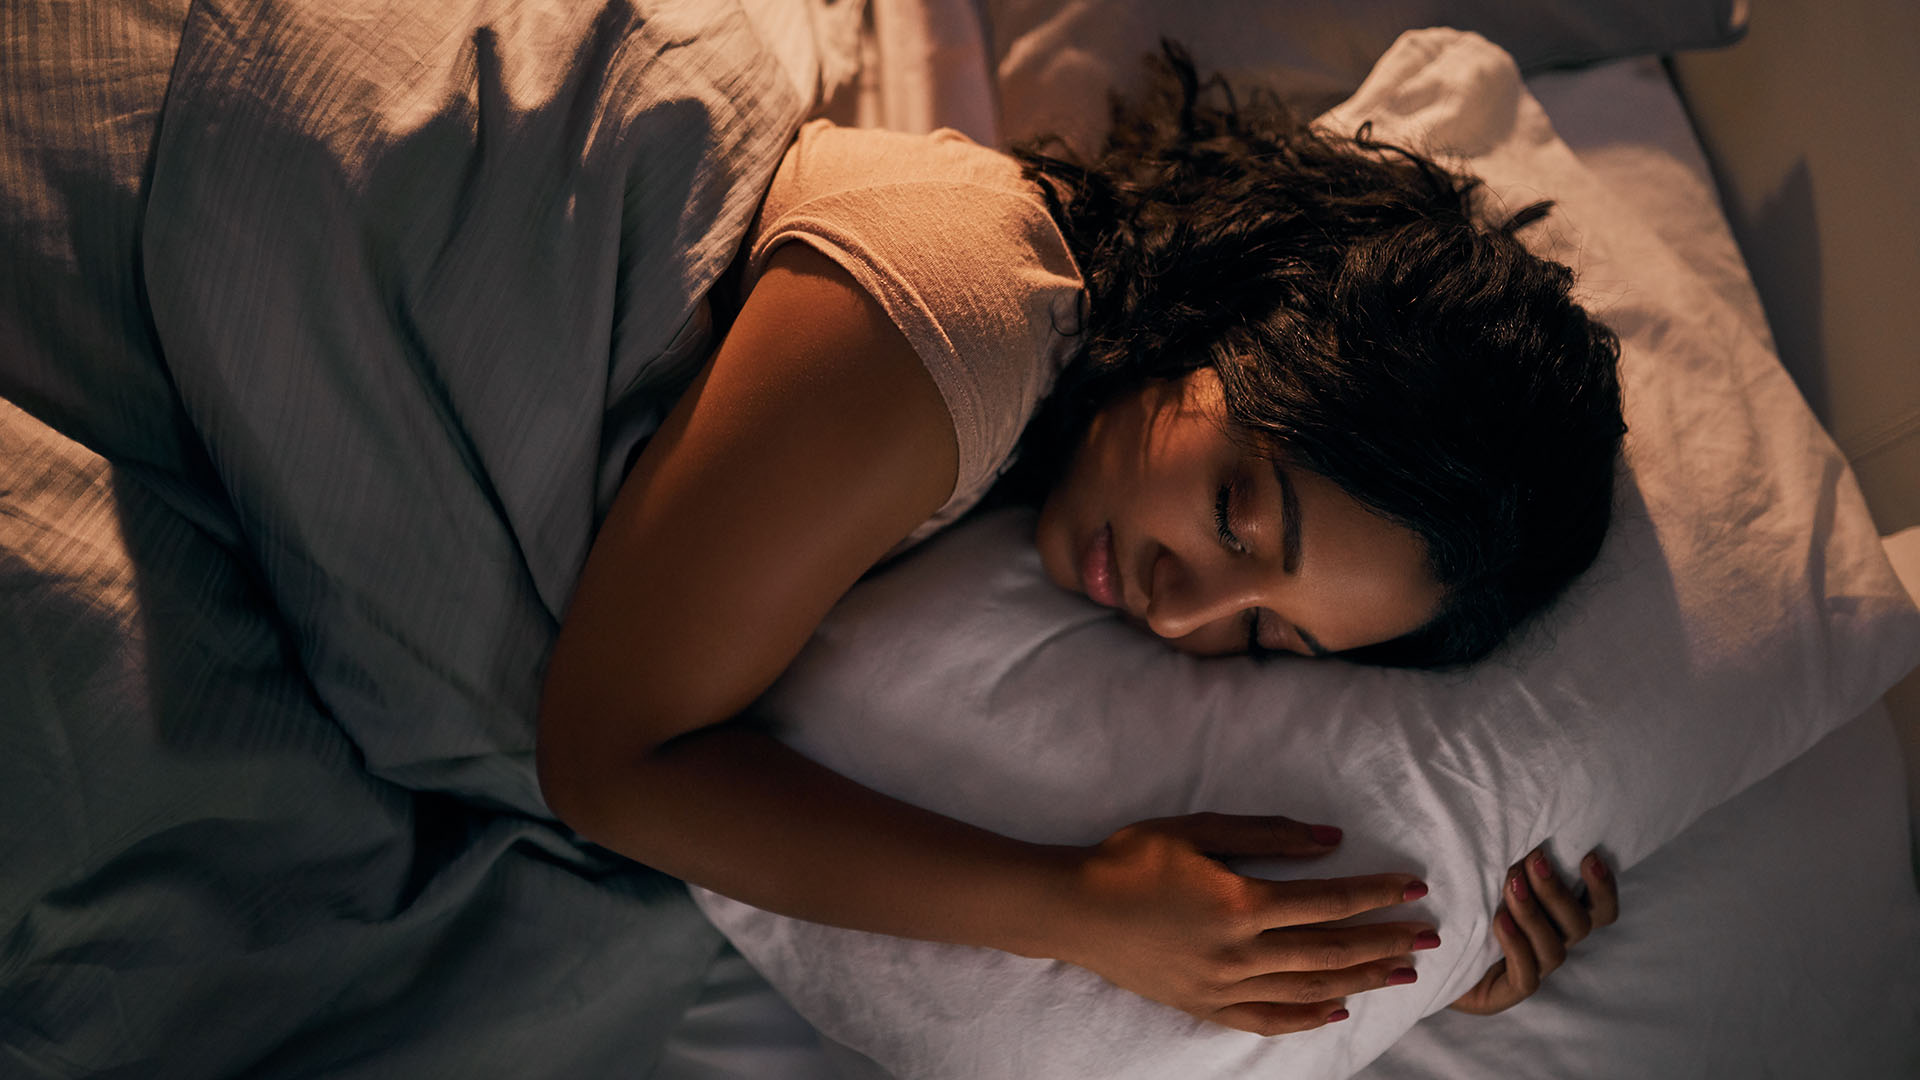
(1188, 594)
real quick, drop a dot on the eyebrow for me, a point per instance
(1289, 522)
(1290, 547)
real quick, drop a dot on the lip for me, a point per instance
(1100, 571)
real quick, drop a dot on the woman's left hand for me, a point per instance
(1539, 919)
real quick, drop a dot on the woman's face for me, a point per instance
(1163, 516)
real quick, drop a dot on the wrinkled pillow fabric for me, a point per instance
(1056, 59)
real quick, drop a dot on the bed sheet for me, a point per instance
(1626, 123)
(925, 64)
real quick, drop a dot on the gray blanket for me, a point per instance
(343, 348)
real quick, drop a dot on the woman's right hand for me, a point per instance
(1155, 911)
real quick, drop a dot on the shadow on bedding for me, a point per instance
(202, 879)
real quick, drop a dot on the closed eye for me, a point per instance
(1223, 520)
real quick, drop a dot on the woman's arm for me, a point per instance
(813, 442)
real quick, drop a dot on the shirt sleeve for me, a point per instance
(979, 281)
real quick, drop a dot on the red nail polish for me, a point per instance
(1337, 1015)
(1324, 834)
(1426, 939)
(1506, 922)
(1539, 863)
(1402, 976)
(1599, 867)
(1415, 891)
(1519, 886)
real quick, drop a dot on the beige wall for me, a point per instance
(1813, 126)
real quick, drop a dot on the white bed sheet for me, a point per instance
(1673, 991)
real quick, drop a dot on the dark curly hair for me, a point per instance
(1366, 326)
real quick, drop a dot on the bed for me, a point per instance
(243, 842)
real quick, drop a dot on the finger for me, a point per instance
(1314, 948)
(1603, 894)
(1307, 987)
(1548, 950)
(1229, 835)
(1569, 915)
(1268, 1018)
(1312, 900)
(1489, 995)
(1523, 970)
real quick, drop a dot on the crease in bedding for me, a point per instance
(403, 266)
(355, 310)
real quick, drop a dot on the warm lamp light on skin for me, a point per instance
(1164, 516)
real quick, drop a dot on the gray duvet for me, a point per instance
(327, 328)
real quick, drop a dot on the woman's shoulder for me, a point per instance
(826, 158)
(949, 235)
(937, 202)
(962, 253)
(938, 187)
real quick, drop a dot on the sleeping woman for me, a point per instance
(1272, 391)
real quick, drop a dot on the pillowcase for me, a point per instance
(1057, 59)
(1741, 608)
(1674, 990)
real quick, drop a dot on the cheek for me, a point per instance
(1371, 605)
(1075, 506)
(1053, 539)
(1081, 470)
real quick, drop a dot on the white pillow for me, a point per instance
(1056, 59)
(1741, 609)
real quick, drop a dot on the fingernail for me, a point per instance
(1324, 834)
(1539, 863)
(1415, 891)
(1402, 976)
(1506, 922)
(1599, 867)
(1519, 886)
(1426, 939)
(1337, 1015)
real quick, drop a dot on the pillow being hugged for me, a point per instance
(1741, 608)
